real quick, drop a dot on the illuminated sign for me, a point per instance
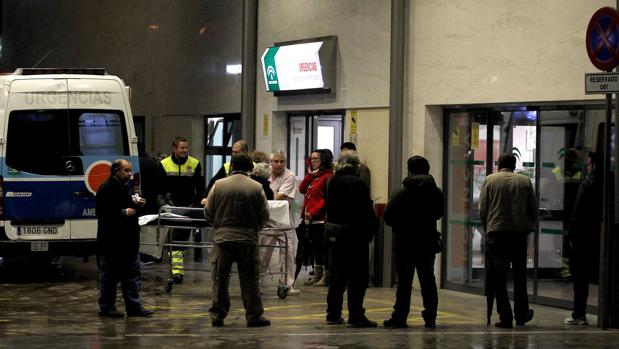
(303, 67)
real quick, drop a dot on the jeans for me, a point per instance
(123, 269)
(505, 247)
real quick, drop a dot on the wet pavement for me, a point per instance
(45, 305)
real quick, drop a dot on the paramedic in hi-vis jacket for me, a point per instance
(181, 185)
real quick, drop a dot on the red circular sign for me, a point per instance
(603, 39)
(97, 173)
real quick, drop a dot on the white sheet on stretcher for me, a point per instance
(143, 220)
(278, 212)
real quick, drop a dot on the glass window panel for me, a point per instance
(37, 141)
(562, 169)
(458, 196)
(325, 138)
(101, 133)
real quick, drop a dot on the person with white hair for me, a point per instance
(350, 227)
(261, 174)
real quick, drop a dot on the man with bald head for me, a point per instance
(239, 147)
(118, 242)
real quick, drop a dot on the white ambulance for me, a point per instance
(60, 130)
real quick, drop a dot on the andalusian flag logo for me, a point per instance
(270, 70)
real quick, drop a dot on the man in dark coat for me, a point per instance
(584, 234)
(118, 241)
(351, 225)
(413, 212)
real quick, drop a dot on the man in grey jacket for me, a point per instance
(508, 211)
(237, 208)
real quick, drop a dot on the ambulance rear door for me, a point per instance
(36, 169)
(99, 131)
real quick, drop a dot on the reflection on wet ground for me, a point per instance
(45, 304)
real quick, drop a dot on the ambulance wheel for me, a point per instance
(168, 285)
(282, 291)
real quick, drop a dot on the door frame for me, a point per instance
(224, 150)
(310, 138)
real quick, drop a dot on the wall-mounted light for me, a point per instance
(234, 69)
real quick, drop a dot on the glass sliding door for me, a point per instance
(476, 139)
(520, 139)
(459, 174)
(551, 148)
(561, 172)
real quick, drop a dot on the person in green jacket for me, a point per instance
(508, 211)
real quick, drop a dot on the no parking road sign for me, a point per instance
(603, 39)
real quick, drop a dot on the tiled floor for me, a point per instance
(56, 307)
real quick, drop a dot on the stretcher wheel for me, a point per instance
(168, 285)
(282, 291)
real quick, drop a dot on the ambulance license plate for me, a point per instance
(39, 246)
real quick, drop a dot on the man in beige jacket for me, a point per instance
(237, 208)
(508, 211)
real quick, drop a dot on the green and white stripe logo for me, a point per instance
(270, 70)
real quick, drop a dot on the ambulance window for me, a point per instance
(37, 140)
(101, 132)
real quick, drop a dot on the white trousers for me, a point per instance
(267, 242)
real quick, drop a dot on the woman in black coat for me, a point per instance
(351, 225)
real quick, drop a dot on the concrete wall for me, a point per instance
(362, 28)
(173, 54)
(491, 51)
(370, 139)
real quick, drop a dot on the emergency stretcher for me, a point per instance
(201, 237)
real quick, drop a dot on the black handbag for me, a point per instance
(438, 244)
(333, 231)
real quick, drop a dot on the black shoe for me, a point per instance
(362, 322)
(217, 323)
(178, 278)
(529, 317)
(141, 312)
(260, 322)
(112, 313)
(430, 324)
(503, 324)
(335, 320)
(393, 323)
